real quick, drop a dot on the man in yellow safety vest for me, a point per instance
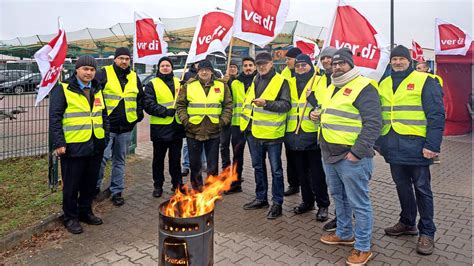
(78, 125)
(123, 94)
(413, 124)
(204, 106)
(350, 123)
(263, 120)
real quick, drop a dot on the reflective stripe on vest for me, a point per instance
(78, 120)
(265, 124)
(341, 122)
(200, 105)
(165, 98)
(238, 94)
(297, 106)
(403, 110)
(113, 93)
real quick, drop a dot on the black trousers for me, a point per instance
(310, 172)
(211, 148)
(237, 137)
(174, 162)
(291, 174)
(79, 176)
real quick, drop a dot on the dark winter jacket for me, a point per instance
(118, 117)
(57, 107)
(169, 132)
(407, 149)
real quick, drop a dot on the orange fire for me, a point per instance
(192, 203)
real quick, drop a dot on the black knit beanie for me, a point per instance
(86, 60)
(401, 51)
(293, 52)
(122, 51)
(165, 58)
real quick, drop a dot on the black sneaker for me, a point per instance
(322, 214)
(233, 189)
(256, 204)
(90, 219)
(117, 199)
(157, 192)
(73, 226)
(275, 212)
(401, 229)
(185, 172)
(330, 226)
(291, 191)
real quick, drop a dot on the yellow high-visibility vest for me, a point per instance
(265, 124)
(437, 78)
(238, 94)
(78, 120)
(403, 110)
(113, 93)
(341, 122)
(165, 98)
(200, 104)
(297, 106)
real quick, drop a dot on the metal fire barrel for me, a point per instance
(186, 241)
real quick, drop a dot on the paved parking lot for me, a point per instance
(130, 233)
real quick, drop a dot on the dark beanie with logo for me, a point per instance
(344, 54)
(86, 60)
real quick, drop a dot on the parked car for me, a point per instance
(27, 83)
(11, 75)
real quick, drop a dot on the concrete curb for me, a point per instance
(16, 237)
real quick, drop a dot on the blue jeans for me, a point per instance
(348, 183)
(116, 149)
(185, 164)
(258, 153)
(407, 177)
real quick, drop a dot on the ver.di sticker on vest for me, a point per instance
(97, 102)
(217, 90)
(347, 92)
(410, 86)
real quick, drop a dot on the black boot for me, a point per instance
(291, 191)
(73, 226)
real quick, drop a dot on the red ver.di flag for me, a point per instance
(259, 21)
(416, 52)
(148, 41)
(352, 30)
(307, 47)
(50, 59)
(213, 34)
(450, 39)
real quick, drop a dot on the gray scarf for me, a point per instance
(345, 78)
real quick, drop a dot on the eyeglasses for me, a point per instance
(339, 63)
(301, 65)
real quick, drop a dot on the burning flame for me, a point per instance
(192, 203)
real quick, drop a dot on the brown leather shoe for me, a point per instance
(401, 229)
(358, 257)
(333, 239)
(425, 245)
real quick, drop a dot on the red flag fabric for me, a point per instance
(259, 21)
(417, 52)
(50, 59)
(352, 30)
(213, 34)
(148, 41)
(307, 47)
(450, 39)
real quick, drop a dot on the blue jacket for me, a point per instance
(407, 149)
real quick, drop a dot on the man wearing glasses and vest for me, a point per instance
(166, 130)
(123, 93)
(413, 124)
(78, 125)
(204, 106)
(264, 122)
(350, 123)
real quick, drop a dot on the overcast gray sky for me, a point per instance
(414, 19)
